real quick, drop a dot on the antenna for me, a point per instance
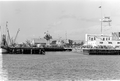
(66, 36)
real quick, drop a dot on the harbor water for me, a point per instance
(59, 66)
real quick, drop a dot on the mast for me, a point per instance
(104, 19)
(101, 15)
(66, 36)
(101, 20)
(0, 36)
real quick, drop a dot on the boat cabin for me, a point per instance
(112, 39)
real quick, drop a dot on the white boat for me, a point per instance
(102, 43)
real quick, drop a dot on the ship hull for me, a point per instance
(101, 51)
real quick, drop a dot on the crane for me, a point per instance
(8, 32)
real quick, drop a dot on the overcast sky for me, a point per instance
(58, 17)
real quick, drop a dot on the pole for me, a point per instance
(101, 16)
(101, 20)
(0, 35)
(66, 36)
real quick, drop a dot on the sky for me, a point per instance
(67, 18)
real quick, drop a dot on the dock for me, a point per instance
(25, 50)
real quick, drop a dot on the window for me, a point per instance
(106, 38)
(101, 42)
(103, 39)
(118, 42)
(91, 39)
(109, 42)
(94, 38)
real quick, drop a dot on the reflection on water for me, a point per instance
(3, 72)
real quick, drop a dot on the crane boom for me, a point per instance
(16, 35)
(8, 32)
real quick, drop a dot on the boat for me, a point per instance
(102, 44)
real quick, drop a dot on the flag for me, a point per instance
(99, 6)
(6, 23)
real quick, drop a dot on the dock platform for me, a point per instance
(25, 50)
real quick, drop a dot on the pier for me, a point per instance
(25, 50)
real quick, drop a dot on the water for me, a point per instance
(59, 66)
(3, 73)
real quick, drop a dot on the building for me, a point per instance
(112, 39)
(59, 42)
(40, 41)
